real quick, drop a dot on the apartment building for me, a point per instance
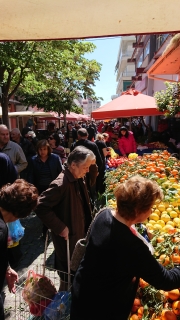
(147, 49)
(89, 105)
(125, 68)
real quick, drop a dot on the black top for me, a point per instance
(3, 251)
(101, 145)
(8, 173)
(103, 286)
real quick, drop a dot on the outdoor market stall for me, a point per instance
(131, 103)
(163, 224)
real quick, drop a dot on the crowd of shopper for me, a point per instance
(66, 168)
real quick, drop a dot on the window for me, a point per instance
(160, 40)
(147, 49)
(140, 60)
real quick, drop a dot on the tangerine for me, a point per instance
(143, 283)
(164, 260)
(175, 258)
(174, 294)
(140, 312)
(176, 307)
(134, 317)
(136, 305)
(168, 315)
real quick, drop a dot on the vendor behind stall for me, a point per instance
(126, 142)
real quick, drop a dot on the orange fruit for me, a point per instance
(172, 231)
(176, 307)
(168, 315)
(140, 312)
(177, 249)
(176, 239)
(175, 258)
(160, 239)
(174, 172)
(174, 294)
(143, 283)
(136, 305)
(164, 260)
(134, 317)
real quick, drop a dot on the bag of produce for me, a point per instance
(38, 292)
(59, 308)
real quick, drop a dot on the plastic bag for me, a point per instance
(59, 308)
(37, 291)
(37, 309)
(15, 233)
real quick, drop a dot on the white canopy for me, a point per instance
(59, 19)
(29, 114)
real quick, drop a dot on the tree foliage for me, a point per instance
(49, 74)
(168, 101)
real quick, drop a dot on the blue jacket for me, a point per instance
(54, 163)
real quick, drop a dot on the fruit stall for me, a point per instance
(163, 225)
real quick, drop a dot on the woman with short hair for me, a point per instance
(105, 284)
(54, 141)
(65, 206)
(17, 200)
(43, 169)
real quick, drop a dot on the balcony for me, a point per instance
(138, 45)
(126, 54)
(137, 78)
(140, 70)
(127, 74)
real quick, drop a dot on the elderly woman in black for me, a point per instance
(106, 281)
(65, 206)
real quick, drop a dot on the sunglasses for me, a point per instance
(50, 138)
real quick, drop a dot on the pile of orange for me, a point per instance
(157, 166)
(168, 308)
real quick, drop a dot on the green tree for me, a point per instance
(32, 68)
(168, 101)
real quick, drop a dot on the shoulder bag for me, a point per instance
(80, 247)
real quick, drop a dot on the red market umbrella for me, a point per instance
(71, 116)
(131, 103)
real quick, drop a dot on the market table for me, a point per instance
(148, 150)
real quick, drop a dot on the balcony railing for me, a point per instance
(127, 74)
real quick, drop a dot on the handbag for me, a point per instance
(80, 247)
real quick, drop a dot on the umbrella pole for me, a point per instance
(17, 122)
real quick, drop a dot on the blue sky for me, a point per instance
(106, 53)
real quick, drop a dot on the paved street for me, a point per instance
(32, 247)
